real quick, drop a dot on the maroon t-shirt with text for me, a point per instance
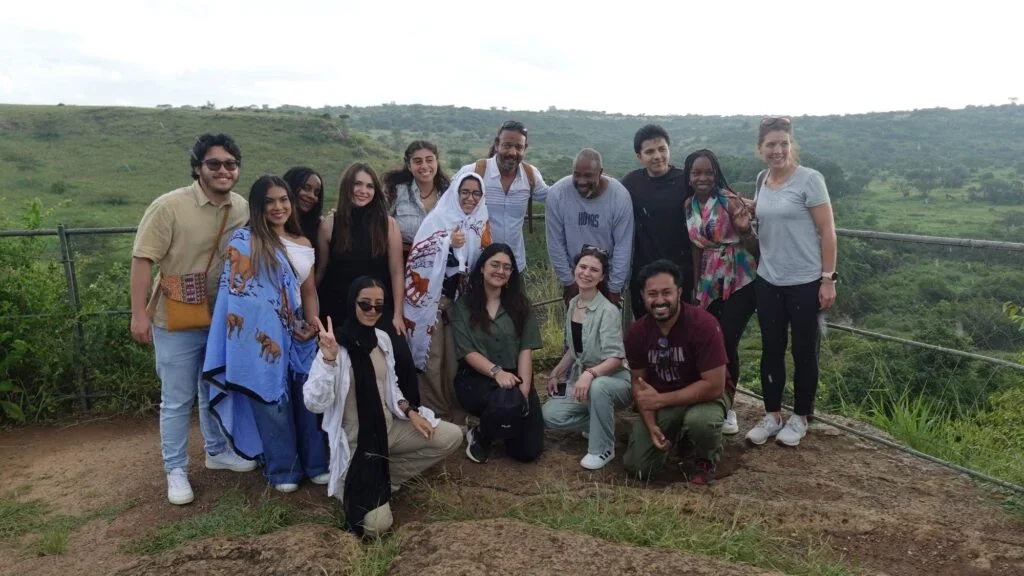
(695, 345)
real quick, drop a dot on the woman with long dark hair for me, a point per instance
(415, 189)
(362, 240)
(724, 257)
(307, 195)
(594, 363)
(378, 439)
(495, 336)
(796, 277)
(260, 348)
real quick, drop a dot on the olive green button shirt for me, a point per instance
(502, 346)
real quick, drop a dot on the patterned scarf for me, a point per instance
(725, 266)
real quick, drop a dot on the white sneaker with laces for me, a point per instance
(286, 487)
(179, 491)
(321, 479)
(597, 461)
(765, 429)
(795, 430)
(730, 426)
(228, 460)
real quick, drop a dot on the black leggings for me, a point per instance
(778, 309)
(734, 315)
(473, 390)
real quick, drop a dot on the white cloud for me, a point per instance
(727, 57)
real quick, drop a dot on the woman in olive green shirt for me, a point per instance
(495, 335)
(599, 377)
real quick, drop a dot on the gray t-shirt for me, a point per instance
(571, 221)
(790, 244)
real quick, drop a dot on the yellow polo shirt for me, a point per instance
(177, 233)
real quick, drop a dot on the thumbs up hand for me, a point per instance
(458, 238)
(646, 397)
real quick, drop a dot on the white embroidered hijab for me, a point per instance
(427, 266)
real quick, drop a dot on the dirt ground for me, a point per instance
(886, 512)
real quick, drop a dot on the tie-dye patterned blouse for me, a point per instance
(725, 266)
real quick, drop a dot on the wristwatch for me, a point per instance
(494, 370)
(830, 276)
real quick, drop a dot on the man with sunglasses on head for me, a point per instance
(677, 359)
(510, 187)
(184, 233)
(589, 208)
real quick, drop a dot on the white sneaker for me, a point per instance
(321, 479)
(395, 488)
(597, 461)
(179, 491)
(228, 460)
(795, 430)
(286, 487)
(730, 426)
(764, 430)
(586, 434)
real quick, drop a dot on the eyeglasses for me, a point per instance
(781, 121)
(592, 248)
(473, 193)
(366, 306)
(214, 165)
(664, 354)
(514, 126)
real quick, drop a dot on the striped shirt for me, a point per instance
(507, 211)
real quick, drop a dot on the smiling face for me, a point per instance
(363, 189)
(586, 177)
(470, 194)
(309, 195)
(702, 177)
(423, 165)
(654, 155)
(589, 272)
(372, 298)
(775, 149)
(661, 297)
(278, 208)
(218, 171)
(510, 147)
(497, 270)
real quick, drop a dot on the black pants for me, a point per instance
(780, 308)
(733, 315)
(636, 296)
(473, 390)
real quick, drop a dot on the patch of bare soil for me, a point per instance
(313, 550)
(887, 512)
(502, 546)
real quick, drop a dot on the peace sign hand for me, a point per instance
(325, 337)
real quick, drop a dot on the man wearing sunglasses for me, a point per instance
(511, 185)
(183, 233)
(589, 208)
(677, 359)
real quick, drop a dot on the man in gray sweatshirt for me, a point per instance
(589, 208)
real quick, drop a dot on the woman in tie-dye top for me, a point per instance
(724, 252)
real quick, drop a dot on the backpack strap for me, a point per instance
(529, 203)
(761, 177)
(481, 167)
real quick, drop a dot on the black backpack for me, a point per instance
(505, 413)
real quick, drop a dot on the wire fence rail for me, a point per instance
(85, 394)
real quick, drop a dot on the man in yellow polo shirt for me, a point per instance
(184, 232)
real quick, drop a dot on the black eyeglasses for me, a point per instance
(515, 126)
(473, 193)
(366, 306)
(214, 165)
(592, 248)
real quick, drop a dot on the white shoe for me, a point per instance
(586, 434)
(597, 461)
(730, 426)
(794, 431)
(764, 430)
(321, 479)
(395, 488)
(286, 487)
(228, 460)
(179, 491)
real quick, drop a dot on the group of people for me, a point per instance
(351, 348)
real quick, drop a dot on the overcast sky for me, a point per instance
(647, 56)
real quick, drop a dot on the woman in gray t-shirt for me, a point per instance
(796, 278)
(414, 190)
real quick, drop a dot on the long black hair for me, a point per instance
(376, 214)
(310, 221)
(513, 299)
(404, 175)
(720, 182)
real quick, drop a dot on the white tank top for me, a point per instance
(302, 258)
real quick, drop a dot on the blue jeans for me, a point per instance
(179, 364)
(293, 443)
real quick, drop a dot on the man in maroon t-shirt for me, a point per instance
(677, 356)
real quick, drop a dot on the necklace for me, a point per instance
(428, 194)
(580, 304)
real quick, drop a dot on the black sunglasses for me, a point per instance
(366, 306)
(664, 354)
(514, 126)
(783, 121)
(215, 165)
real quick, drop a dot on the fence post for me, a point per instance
(66, 256)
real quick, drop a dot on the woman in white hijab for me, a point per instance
(445, 248)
